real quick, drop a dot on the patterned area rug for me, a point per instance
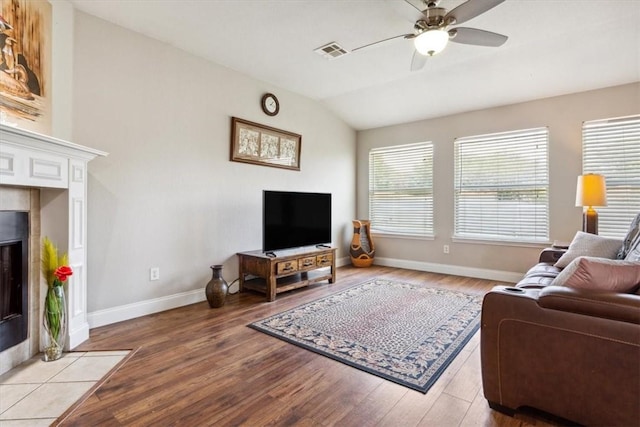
(402, 332)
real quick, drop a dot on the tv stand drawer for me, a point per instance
(286, 267)
(306, 262)
(324, 260)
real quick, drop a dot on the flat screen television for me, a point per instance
(293, 219)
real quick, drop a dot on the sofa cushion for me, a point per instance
(586, 244)
(543, 269)
(535, 282)
(600, 274)
(539, 276)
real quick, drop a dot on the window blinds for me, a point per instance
(401, 189)
(502, 186)
(612, 148)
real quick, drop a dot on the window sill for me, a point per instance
(401, 236)
(496, 242)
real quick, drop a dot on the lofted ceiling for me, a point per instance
(555, 47)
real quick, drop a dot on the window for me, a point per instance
(502, 186)
(401, 189)
(612, 148)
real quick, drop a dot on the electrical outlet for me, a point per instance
(445, 249)
(154, 273)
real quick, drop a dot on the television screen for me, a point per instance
(292, 219)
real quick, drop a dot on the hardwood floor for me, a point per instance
(196, 366)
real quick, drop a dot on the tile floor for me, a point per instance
(35, 393)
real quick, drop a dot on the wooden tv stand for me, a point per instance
(289, 269)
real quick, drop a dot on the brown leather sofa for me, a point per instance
(572, 353)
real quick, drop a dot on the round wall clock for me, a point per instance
(270, 104)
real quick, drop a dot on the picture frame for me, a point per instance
(26, 58)
(264, 145)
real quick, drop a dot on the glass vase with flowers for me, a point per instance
(56, 271)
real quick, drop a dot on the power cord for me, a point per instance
(230, 285)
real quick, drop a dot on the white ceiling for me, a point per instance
(555, 47)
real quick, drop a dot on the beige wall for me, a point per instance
(167, 195)
(563, 115)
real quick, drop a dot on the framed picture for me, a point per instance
(264, 145)
(25, 64)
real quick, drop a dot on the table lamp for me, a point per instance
(591, 191)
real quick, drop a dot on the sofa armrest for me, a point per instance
(608, 305)
(551, 255)
(560, 361)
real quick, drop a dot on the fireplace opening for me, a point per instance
(14, 280)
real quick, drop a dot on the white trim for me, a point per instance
(340, 262)
(78, 336)
(498, 242)
(381, 234)
(142, 308)
(456, 270)
(46, 143)
(155, 305)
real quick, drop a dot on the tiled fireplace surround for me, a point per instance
(48, 178)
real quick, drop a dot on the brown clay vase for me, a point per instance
(362, 248)
(217, 288)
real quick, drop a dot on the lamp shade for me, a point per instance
(431, 42)
(591, 190)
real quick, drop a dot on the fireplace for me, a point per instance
(14, 278)
(44, 181)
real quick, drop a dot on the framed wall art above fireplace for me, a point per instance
(263, 145)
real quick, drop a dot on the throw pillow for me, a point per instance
(632, 235)
(634, 253)
(600, 274)
(586, 244)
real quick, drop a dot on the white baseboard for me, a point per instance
(340, 262)
(455, 270)
(142, 308)
(155, 305)
(78, 336)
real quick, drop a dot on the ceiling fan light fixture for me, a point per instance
(431, 42)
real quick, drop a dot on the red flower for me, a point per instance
(63, 272)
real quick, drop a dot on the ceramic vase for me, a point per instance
(54, 320)
(362, 248)
(217, 288)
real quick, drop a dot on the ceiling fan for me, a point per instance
(432, 28)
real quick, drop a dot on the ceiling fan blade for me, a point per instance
(476, 37)
(470, 9)
(418, 61)
(405, 9)
(405, 36)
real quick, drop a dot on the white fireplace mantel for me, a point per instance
(29, 159)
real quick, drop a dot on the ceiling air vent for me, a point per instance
(331, 51)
